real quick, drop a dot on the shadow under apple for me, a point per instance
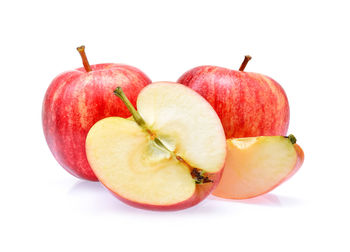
(94, 198)
(268, 199)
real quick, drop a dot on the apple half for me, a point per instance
(168, 157)
(256, 165)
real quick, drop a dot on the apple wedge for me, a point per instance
(168, 157)
(256, 165)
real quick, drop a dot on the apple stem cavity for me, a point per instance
(245, 62)
(81, 50)
(292, 138)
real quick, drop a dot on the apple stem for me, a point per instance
(292, 138)
(245, 62)
(136, 115)
(81, 50)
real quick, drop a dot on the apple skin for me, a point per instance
(248, 104)
(201, 192)
(76, 100)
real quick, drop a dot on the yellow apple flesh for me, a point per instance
(151, 167)
(256, 165)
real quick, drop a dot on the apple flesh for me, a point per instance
(150, 162)
(256, 165)
(248, 104)
(76, 100)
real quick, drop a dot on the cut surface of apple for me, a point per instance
(256, 165)
(150, 165)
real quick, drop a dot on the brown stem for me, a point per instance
(245, 62)
(81, 50)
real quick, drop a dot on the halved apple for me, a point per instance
(169, 157)
(256, 165)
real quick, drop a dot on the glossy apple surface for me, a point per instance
(149, 163)
(257, 165)
(76, 100)
(248, 104)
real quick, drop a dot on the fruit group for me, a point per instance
(256, 165)
(169, 157)
(77, 99)
(248, 104)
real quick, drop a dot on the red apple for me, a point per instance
(169, 156)
(76, 100)
(248, 104)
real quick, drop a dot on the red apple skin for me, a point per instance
(202, 191)
(76, 100)
(248, 104)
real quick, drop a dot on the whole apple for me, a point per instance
(76, 100)
(248, 104)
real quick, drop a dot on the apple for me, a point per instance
(256, 165)
(248, 104)
(168, 157)
(77, 99)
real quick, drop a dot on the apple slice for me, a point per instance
(169, 157)
(256, 165)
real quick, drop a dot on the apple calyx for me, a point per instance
(245, 62)
(81, 50)
(292, 138)
(197, 174)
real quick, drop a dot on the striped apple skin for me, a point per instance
(76, 100)
(248, 104)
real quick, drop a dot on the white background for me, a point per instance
(304, 45)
